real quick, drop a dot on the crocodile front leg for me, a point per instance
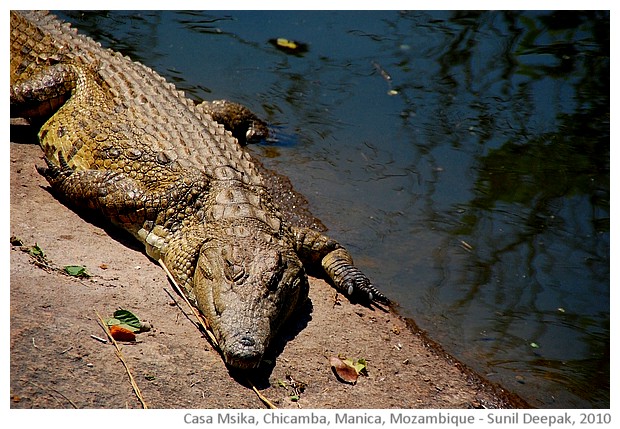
(128, 204)
(314, 248)
(113, 193)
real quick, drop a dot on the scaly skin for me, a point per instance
(120, 140)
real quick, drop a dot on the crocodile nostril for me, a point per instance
(247, 341)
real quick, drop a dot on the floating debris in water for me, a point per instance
(386, 76)
(289, 46)
(466, 246)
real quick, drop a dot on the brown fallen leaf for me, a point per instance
(345, 373)
(122, 334)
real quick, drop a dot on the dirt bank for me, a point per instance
(56, 363)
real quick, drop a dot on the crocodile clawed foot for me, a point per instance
(54, 173)
(358, 285)
(243, 124)
(376, 296)
(349, 280)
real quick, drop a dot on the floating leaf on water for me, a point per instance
(289, 46)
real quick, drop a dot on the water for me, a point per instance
(463, 158)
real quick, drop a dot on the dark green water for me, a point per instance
(463, 157)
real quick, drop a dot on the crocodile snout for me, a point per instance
(243, 352)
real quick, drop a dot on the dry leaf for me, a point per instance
(122, 334)
(359, 365)
(344, 372)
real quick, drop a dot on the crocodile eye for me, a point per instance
(234, 272)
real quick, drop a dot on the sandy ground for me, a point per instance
(56, 363)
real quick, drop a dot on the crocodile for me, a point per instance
(121, 141)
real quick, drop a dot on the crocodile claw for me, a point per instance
(52, 172)
(349, 279)
(376, 296)
(358, 284)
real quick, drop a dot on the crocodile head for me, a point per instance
(246, 287)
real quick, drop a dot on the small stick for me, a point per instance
(136, 389)
(466, 246)
(102, 340)
(56, 391)
(262, 397)
(187, 316)
(200, 319)
(66, 350)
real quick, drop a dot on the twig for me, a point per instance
(200, 319)
(136, 389)
(66, 350)
(101, 340)
(262, 397)
(187, 316)
(55, 391)
(466, 246)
